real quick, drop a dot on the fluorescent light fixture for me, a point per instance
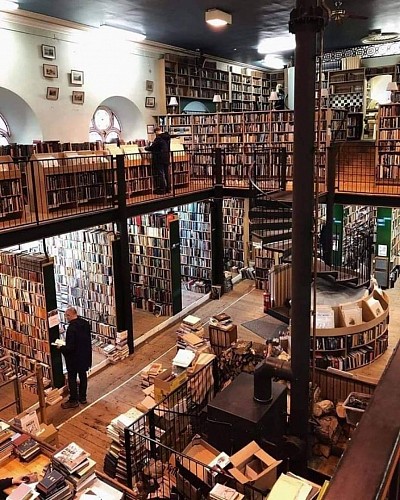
(122, 34)
(273, 62)
(392, 87)
(218, 18)
(277, 44)
(173, 101)
(217, 98)
(8, 5)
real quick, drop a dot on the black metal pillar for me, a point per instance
(305, 20)
(217, 236)
(124, 284)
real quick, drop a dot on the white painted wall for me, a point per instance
(111, 68)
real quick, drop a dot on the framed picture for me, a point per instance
(52, 93)
(48, 52)
(150, 102)
(76, 77)
(78, 97)
(150, 129)
(149, 85)
(50, 71)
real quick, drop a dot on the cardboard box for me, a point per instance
(252, 465)
(48, 434)
(204, 453)
(163, 387)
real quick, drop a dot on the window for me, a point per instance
(4, 132)
(104, 125)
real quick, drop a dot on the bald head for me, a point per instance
(70, 314)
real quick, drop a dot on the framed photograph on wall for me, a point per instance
(50, 71)
(149, 85)
(150, 102)
(48, 52)
(150, 129)
(52, 93)
(76, 77)
(78, 97)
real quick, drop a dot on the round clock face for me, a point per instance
(102, 119)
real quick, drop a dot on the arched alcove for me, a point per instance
(132, 122)
(23, 123)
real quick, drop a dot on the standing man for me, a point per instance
(78, 357)
(160, 149)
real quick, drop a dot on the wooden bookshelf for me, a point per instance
(27, 301)
(195, 240)
(11, 194)
(138, 175)
(388, 141)
(349, 83)
(264, 261)
(359, 335)
(235, 232)
(84, 276)
(154, 250)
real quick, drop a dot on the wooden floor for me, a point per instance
(117, 388)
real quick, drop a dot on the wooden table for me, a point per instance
(14, 467)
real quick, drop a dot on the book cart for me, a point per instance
(165, 448)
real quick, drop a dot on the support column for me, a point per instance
(217, 239)
(124, 286)
(305, 21)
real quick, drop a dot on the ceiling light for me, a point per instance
(277, 44)
(122, 34)
(8, 5)
(218, 18)
(376, 36)
(273, 62)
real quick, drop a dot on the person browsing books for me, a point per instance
(78, 357)
(160, 149)
(7, 482)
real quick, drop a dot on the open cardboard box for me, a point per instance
(163, 386)
(204, 453)
(253, 465)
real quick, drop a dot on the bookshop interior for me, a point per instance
(239, 297)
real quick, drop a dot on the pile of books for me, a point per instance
(25, 447)
(222, 321)
(52, 396)
(118, 351)
(222, 492)
(192, 342)
(149, 373)
(6, 446)
(70, 459)
(54, 487)
(23, 492)
(191, 324)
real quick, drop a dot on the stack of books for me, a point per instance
(222, 492)
(222, 321)
(83, 476)
(53, 486)
(6, 446)
(52, 396)
(149, 373)
(191, 324)
(23, 492)
(192, 342)
(70, 459)
(121, 343)
(25, 447)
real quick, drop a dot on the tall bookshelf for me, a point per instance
(84, 274)
(29, 313)
(388, 150)
(264, 261)
(235, 233)
(195, 240)
(347, 88)
(154, 251)
(11, 194)
(138, 174)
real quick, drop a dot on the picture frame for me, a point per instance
(149, 85)
(48, 52)
(78, 97)
(150, 102)
(52, 93)
(77, 77)
(150, 129)
(50, 71)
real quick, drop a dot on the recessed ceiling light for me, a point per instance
(218, 18)
(273, 62)
(277, 44)
(8, 5)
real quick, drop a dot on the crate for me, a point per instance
(353, 414)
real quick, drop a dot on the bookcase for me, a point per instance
(235, 232)
(29, 312)
(264, 260)
(84, 275)
(154, 251)
(11, 195)
(347, 88)
(70, 179)
(195, 241)
(352, 335)
(358, 221)
(388, 138)
(395, 237)
(138, 175)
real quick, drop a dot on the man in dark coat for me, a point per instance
(160, 149)
(78, 357)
